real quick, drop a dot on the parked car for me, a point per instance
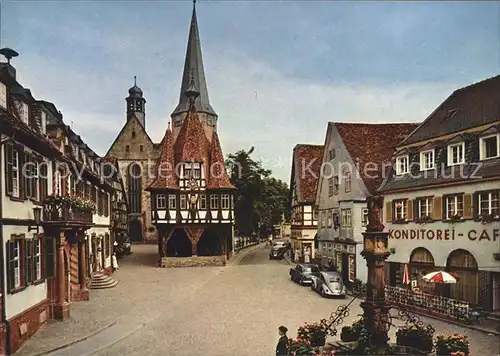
(277, 250)
(303, 273)
(329, 284)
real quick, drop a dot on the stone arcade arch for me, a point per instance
(421, 263)
(179, 244)
(462, 263)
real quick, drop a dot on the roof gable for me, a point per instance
(306, 167)
(166, 177)
(191, 144)
(466, 108)
(123, 137)
(371, 147)
(218, 177)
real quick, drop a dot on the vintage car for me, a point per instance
(329, 284)
(277, 250)
(303, 273)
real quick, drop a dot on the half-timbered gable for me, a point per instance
(306, 169)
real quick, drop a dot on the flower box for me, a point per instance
(456, 345)
(415, 337)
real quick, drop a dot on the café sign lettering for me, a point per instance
(445, 234)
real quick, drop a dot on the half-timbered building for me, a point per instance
(191, 196)
(306, 166)
(442, 198)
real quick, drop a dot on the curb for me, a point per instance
(237, 257)
(467, 326)
(88, 336)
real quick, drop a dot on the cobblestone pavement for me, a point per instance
(233, 310)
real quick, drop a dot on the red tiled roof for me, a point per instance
(307, 164)
(166, 177)
(371, 147)
(218, 175)
(191, 144)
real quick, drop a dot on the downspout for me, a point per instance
(2, 265)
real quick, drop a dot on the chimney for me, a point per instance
(9, 54)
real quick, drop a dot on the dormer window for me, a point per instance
(402, 165)
(427, 160)
(3, 95)
(43, 122)
(456, 154)
(24, 112)
(489, 147)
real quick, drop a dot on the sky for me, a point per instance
(277, 71)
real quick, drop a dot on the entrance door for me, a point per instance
(345, 267)
(135, 230)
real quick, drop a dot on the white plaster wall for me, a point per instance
(440, 249)
(19, 210)
(18, 303)
(100, 232)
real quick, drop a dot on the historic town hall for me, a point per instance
(186, 203)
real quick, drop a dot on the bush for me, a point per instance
(314, 332)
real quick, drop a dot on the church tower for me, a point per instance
(194, 73)
(136, 104)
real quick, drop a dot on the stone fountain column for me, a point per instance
(375, 251)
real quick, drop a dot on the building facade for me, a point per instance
(191, 195)
(355, 158)
(55, 205)
(306, 166)
(442, 199)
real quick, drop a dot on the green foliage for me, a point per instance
(351, 333)
(414, 336)
(260, 198)
(456, 345)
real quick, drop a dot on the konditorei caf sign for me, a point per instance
(445, 234)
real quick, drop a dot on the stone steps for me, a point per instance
(101, 281)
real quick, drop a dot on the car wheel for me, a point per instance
(312, 286)
(323, 293)
(301, 281)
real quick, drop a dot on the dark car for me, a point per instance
(277, 250)
(329, 284)
(303, 273)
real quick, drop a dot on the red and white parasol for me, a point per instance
(441, 277)
(406, 275)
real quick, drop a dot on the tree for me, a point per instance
(260, 199)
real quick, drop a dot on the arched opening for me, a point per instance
(462, 263)
(135, 230)
(179, 244)
(134, 180)
(209, 244)
(422, 263)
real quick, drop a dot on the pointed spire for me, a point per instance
(194, 72)
(218, 177)
(135, 81)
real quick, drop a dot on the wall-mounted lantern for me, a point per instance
(37, 217)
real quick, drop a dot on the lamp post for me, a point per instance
(375, 252)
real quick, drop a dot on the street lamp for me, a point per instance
(37, 217)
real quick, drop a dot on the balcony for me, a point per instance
(69, 212)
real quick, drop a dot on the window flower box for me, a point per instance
(424, 219)
(486, 219)
(400, 221)
(455, 218)
(415, 336)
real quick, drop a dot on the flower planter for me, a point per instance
(348, 334)
(318, 340)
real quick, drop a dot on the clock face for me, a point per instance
(193, 183)
(380, 244)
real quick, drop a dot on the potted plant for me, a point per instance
(456, 217)
(351, 333)
(456, 345)
(424, 219)
(314, 332)
(414, 336)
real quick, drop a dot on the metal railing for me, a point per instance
(434, 304)
(242, 242)
(65, 212)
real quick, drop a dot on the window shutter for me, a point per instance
(475, 206)
(410, 209)
(25, 172)
(388, 211)
(437, 208)
(8, 168)
(22, 182)
(10, 267)
(42, 256)
(468, 206)
(29, 261)
(49, 258)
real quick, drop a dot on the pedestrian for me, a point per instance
(296, 255)
(283, 346)
(114, 262)
(307, 255)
